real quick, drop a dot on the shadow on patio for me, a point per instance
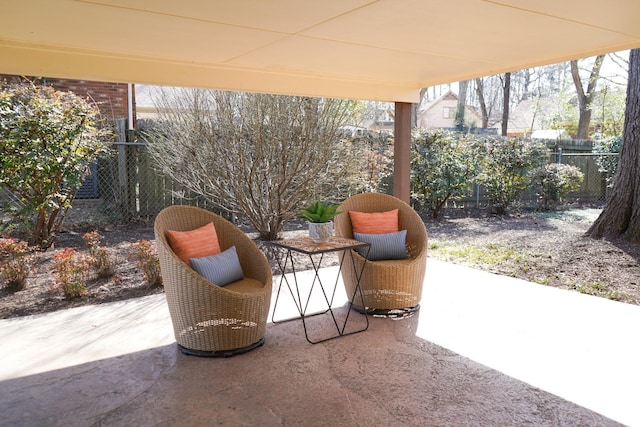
(483, 350)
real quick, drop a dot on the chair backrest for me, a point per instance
(408, 218)
(180, 218)
(184, 218)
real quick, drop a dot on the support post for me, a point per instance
(402, 151)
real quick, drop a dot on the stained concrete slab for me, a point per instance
(483, 350)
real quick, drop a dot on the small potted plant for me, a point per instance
(320, 215)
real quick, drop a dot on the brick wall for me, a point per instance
(111, 98)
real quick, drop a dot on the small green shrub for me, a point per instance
(15, 263)
(554, 181)
(442, 166)
(506, 164)
(71, 272)
(101, 260)
(148, 262)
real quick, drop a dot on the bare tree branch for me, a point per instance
(263, 156)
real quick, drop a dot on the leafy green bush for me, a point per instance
(505, 166)
(554, 181)
(48, 140)
(442, 167)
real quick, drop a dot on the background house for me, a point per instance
(523, 119)
(531, 115)
(441, 113)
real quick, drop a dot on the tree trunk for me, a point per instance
(505, 103)
(586, 98)
(482, 102)
(621, 215)
(526, 82)
(462, 102)
(415, 108)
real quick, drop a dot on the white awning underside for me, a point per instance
(377, 50)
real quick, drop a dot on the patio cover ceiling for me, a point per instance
(360, 49)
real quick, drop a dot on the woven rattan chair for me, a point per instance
(388, 285)
(209, 320)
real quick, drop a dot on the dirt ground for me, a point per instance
(551, 249)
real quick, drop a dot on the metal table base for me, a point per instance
(316, 254)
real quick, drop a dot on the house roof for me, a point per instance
(522, 117)
(448, 95)
(361, 49)
(528, 115)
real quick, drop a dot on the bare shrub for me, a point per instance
(263, 156)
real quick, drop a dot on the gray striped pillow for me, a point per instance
(220, 269)
(384, 246)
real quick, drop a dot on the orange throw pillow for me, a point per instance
(374, 222)
(196, 243)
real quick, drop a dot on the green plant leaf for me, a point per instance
(319, 211)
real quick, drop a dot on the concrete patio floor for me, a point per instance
(484, 350)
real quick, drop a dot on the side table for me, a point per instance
(316, 253)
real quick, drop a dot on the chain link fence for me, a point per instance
(124, 187)
(596, 183)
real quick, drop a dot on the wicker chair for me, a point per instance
(209, 320)
(389, 284)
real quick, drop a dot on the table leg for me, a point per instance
(303, 306)
(340, 329)
(283, 278)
